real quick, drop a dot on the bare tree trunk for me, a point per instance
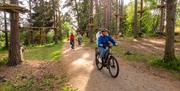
(91, 21)
(97, 13)
(106, 14)
(5, 26)
(60, 24)
(31, 32)
(55, 27)
(117, 16)
(170, 27)
(135, 32)
(121, 16)
(162, 20)
(14, 50)
(141, 16)
(76, 7)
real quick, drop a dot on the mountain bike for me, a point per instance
(109, 61)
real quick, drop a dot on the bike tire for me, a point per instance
(113, 59)
(98, 64)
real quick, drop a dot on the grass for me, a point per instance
(3, 54)
(46, 84)
(67, 88)
(49, 52)
(171, 65)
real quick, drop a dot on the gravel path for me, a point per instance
(83, 74)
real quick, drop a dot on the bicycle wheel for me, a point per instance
(99, 61)
(113, 67)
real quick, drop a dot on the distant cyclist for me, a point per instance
(103, 42)
(72, 40)
(79, 38)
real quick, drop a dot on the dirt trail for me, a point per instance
(83, 75)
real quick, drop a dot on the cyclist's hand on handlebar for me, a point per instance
(102, 45)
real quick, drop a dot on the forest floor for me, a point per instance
(41, 73)
(134, 75)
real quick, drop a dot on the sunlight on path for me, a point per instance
(80, 63)
(83, 74)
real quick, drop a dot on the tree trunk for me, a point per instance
(121, 16)
(76, 7)
(141, 16)
(91, 21)
(117, 16)
(55, 27)
(162, 18)
(135, 32)
(170, 27)
(60, 24)
(14, 50)
(5, 26)
(106, 13)
(97, 13)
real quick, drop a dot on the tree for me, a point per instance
(55, 25)
(97, 13)
(141, 16)
(121, 16)
(169, 54)
(162, 17)
(91, 21)
(107, 14)
(5, 28)
(14, 50)
(135, 31)
(117, 16)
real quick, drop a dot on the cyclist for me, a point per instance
(104, 41)
(72, 40)
(79, 38)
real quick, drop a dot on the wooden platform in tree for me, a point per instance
(12, 8)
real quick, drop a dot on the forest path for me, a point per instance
(83, 74)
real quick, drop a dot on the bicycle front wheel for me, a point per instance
(99, 62)
(113, 67)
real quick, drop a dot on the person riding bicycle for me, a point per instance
(104, 41)
(79, 38)
(72, 40)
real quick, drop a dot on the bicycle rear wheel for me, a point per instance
(113, 67)
(99, 62)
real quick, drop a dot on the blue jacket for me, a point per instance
(104, 41)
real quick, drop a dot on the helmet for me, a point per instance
(103, 29)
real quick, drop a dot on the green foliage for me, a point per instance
(82, 11)
(149, 21)
(3, 61)
(49, 52)
(178, 23)
(178, 12)
(67, 29)
(70, 89)
(43, 14)
(3, 56)
(2, 39)
(170, 65)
